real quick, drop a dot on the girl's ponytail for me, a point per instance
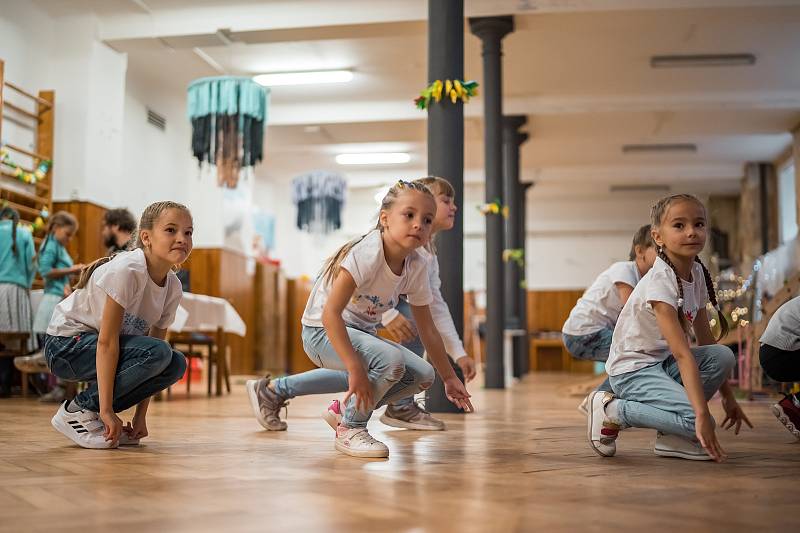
(89, 269)
(724, 327)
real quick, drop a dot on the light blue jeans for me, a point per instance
(592, 347)
(394, 372)
(654, 397)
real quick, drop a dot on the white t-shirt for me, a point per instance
(126, 281)
(783, 329)
(439, 310)
(377, 287)
(600, 305)
(637, 341)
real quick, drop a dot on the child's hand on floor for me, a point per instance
(457, 393)
(139, 428)
(734, 415)
(467, 365)
(704, 429)
(113, 426)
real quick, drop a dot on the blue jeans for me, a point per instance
(145, 366)
(591, 347)
(393, 371)
(654, 397)
(328, 381)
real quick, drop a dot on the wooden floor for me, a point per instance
(520, 463)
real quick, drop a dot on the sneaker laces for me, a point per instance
(364, 437)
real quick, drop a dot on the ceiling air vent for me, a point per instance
(159, 121)
(703, 60)
(659, 148)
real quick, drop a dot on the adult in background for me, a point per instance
(119, 225)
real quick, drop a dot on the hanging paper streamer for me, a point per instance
(319, 197)
(455, 90)
(228, 116)
(26, 177)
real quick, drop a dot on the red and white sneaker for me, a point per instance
(787, 411)
(602, 432)
(357, 442)
(333, 414)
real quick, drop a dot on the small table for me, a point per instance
(208, 314)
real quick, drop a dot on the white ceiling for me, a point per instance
(579, 69)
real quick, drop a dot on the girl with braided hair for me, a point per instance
(658, 380)
(16, 276)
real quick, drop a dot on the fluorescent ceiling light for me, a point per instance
(658, 148)
(702, 60)
(373, 158)
(640, 188)
(276, 79)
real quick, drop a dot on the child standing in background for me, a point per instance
(16, 275)
(55, 266)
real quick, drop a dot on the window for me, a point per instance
(787, 204)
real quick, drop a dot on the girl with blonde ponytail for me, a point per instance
(111, 330)
(358, 283)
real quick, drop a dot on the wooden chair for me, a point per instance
(189, 344)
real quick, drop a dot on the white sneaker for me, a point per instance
(357, 442)
(125, 440)
(84, 428)
(411, 416)
(333, 414)
(677, 446)
(602, 432)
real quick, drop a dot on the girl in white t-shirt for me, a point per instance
(658, 380)
(358, 283)
(111, 330)
(588, 330)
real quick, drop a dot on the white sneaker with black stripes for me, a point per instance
(84, 428)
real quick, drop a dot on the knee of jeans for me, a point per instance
(724, 358)
(161, 353)
(426, 378)
(393, 365)
(177, 366)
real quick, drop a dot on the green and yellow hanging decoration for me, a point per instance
(18, 172)
(455, 90)
(494, 208)
(518, 256)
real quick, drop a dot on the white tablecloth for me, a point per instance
(198, 312)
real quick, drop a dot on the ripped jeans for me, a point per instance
(394, 371)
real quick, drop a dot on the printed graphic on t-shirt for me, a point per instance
(133, 325)
(689, 316)
(374, 308)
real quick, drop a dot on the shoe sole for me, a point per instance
(780, 414)
(69, 433)
(252, 393)
(590, 415)
(331, 418)
(364, 454)
(682, 455)
(396, 423)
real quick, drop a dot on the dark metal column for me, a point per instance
(522, 344)
(514, 274)
(446, 159)
(491, 31)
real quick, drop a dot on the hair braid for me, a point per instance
(712, 296)
(7, 213)
(681, 314)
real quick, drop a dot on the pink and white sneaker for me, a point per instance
(357, 442)
(333, 414)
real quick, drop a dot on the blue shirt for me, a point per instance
(17, 269)
(53, 255)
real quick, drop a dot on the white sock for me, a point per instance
(612, 411)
